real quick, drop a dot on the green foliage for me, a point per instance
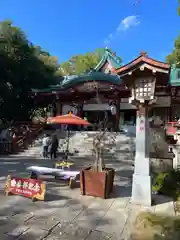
(39, 115)
(159, 181)
(23, 66)
(174, 57)
(168, 184)
(151, 226)
(82, 63)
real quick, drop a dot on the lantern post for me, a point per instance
(143, 97)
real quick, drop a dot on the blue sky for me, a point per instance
(65, 28)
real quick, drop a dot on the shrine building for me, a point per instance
(107, 88)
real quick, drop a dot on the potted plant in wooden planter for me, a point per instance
(97, 180)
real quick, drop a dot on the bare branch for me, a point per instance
(100, 138)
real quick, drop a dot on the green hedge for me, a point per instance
(168, 184)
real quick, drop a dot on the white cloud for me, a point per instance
(108, 39)
(128, 22)
(125, 24)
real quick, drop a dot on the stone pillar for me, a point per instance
(141, 186)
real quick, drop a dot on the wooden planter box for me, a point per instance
(97, 184)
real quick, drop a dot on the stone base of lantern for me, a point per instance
(141, 190)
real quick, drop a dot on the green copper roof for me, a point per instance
(71, 81)
(108, 56)
(175, 76)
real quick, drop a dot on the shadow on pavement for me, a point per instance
(64, 212)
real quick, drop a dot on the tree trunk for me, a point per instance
(100, 158)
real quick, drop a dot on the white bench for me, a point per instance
(57, 173)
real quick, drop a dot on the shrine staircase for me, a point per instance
(118, 149)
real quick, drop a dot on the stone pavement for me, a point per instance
(65, 214)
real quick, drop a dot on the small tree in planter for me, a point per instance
(97, 180)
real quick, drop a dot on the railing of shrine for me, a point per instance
(24, 134)
(6, 146)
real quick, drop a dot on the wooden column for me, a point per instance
(172, 105)
(58, 108)
(54, 109)
(117, 114)
(80, 110)
(170, 112)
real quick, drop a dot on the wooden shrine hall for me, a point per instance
(108, 88)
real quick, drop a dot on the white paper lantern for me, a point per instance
(113, 110)
(74, 110)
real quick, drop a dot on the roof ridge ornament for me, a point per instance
(143, 54)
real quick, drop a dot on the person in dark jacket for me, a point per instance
(53, 146)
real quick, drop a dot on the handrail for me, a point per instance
(21, 141)
(5, 146)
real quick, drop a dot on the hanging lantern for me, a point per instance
(113, 109)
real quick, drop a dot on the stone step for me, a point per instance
(116, 144)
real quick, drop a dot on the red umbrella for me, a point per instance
(68, 119)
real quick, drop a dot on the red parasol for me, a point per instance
(68, 119)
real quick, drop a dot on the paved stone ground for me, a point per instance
(65, 214)
(70, 216)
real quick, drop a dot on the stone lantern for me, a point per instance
(143, 97)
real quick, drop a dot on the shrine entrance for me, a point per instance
(98, 116)
(129, 116)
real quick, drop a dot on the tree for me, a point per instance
(46, 58)
(174, 57)
(23, 66)
(82, 63)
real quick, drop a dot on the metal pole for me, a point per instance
(67, 147)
